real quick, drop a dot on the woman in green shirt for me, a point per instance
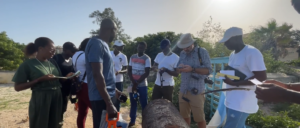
(38, 74)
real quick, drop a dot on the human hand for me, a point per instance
(270, 92)
(117, 72)
(119, 94)
(277, 83)
(162, 70)
(186, 68)
(228, 81)
(47, 78)
(70, 74)
(134, 87)
(111, 111)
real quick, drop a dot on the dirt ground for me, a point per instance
(14, 110)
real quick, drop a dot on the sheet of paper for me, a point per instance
(75, 74)
(255, 81)
(227, 72)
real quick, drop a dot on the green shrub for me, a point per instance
(293, 110)
(281, 120)
(176, 90)
(274, 66)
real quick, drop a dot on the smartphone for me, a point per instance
(123, 98)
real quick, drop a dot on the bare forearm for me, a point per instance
(172, 73)
(123, 71)
(292, 96)
(247, 82)
(143, 77)
(294, 86)
(24, 86)
(101, 86)
(202, 71)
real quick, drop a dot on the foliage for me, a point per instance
(293, 110)
(11, 55)
(274, 66)
(281, 120)
(295, 62)
(109, 13)
(273, 37)
(176, 90)
(150, 90)
(211, 32)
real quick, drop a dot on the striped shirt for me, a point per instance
(192, 59)
(138, 65)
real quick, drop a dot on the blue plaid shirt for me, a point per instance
(192, 59)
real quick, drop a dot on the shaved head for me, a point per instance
(108, 23)
(108, 30)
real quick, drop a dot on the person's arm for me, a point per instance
(206, 63)
(125, 65)
(292, 96)
(20, 86)
(147, 70)
(291, 86)
(255, 63)
(97, 69)
(172, 73)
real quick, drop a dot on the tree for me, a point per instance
(109, 13)
(11, 55)
(211, 32)
(273, 37)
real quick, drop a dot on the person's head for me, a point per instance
(69, 50)
(165, 44)
(42, 46)
(141, 47)
(186, 42)
(108, 30)
(83, 44)
(296, 5)
(118, 45)
(233, 37)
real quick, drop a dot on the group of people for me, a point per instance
(102, 78)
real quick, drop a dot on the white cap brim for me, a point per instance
(224, 39)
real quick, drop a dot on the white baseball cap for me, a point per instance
(119, 43)
(231, 32)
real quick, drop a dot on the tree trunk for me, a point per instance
(162, 113)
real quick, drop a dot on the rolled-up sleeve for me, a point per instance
(206, 60)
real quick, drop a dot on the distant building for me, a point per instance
(58, 49)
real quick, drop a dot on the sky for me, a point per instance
(68, 20)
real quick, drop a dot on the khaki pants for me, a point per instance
(195, 105)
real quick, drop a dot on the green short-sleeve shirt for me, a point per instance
(32, 69)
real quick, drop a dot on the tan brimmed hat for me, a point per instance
(185, 40)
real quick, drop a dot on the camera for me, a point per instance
(207, 80)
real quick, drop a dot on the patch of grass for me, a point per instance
(5, 103)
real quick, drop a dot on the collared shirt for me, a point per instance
(187, 82)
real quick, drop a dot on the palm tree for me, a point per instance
(274, 37)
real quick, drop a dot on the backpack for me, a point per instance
(77, 83)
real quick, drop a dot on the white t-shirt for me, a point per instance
(249, 59)
(120, 60)
(80, 64)
(169, 62)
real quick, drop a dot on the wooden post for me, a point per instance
(162, 113)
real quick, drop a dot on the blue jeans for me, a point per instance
(235, 119)
(142, 100)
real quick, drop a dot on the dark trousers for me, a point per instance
(45, 109)
(117, 103)
(142, 100)
(65, 98)
(165, 92)
(97, 107)
(83, 105)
